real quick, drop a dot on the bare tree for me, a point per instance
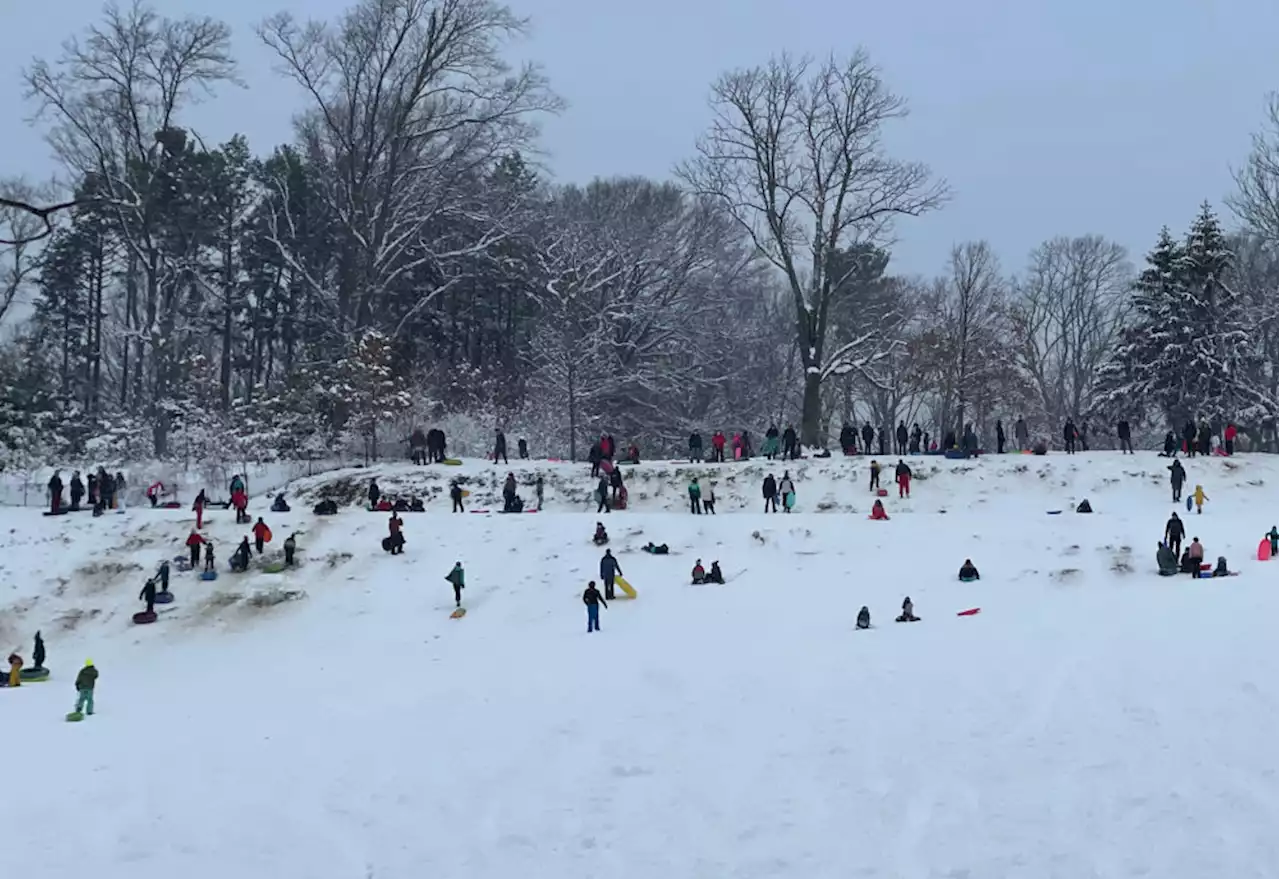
(114, 98)
(961, 344)
(1256, 201)
(794, 153)
(21, 227)
(412, 101)
(1066, 318)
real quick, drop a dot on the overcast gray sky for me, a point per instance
(1048, 117)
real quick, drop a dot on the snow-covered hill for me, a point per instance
(1093, 720)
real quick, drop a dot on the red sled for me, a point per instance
(971, 612)
(882, 492)
(477, 511)
(1264, 550)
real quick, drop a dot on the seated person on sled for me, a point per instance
(968, 573)
(601, 537)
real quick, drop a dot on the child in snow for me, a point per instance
(1195, 553)
(601, 537)
(15, 669)
(208, 554)
(193, 544)
(875, 476)
(458, 578)
(877, 511)
(709, 500)
(902, 475)
(864, 618)
(1274, 536)
(908, 612)
(592, 598)
(695, 497)
(699, 573)
(650, 548)
(1221, 569)
(968, 573)
(86, 680)
(715, 575)
(290, 546)
(1200, 497)
(787, 491)
(1166, 560)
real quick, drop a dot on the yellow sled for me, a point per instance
(626, 587)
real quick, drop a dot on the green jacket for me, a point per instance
(694, 490)
(87, 677)
(456, 577)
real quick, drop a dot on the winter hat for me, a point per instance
(88, 663)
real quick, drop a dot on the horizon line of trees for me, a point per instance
(399, 262)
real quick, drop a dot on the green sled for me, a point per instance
(75, 716)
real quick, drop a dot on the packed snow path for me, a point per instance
(1093, 720)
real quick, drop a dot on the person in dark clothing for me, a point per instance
(695, 447)
(908, 612)
(770, 492)
(455, 495)
(1084, 506)
(1069, 437)
(1082, 434)
(864, 618)
(86, 680)
(1189, 438)
(1205, 438)
(968, 572)
(848, 440)
(695, 497)
(374, 494)
(999, 437)
(881, 448)
(395, 534)
(55, 493)
(148, 594)
(499, 446)
(208, 554)
(240, 558)
(615, 484)
(1166, 560)
(868, 437)
(458, 579)
(592, 598)
(790, 448)
(77, 490)
(602, 495)
(594, 458)
(1173, 533)
(900, 437)
(917, 435)
(699, 573)
(609, 569)
(509, 490)
(1170, 445)
(37, 654)
(771, 441)
(539, 489)
(92, 499)
(163, 576)
(522, 449)
(194, 541)
(601, 537)
(290, 547)
(1122, 431)
(280, 505)
(1221, 569)
(715, 575)
(1177, 477)
(902, 475)
(949, 441)
(654, 549)
(874, 483)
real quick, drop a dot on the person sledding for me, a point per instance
(1174, 531)
(699, 574)
(148, 594)
(1177, 476)
(877, 512)
(194, 542)
(208, 554)
(601, 537)
(864, 618)
(593, 600)
(261, 534)
(240, 558)
(198, 506)
(656, 549)
(15, 669)
(1166, 560)
(458, 578)
(280, 505)
(902, 475)
(162, 574)
(609, 570)
(1084, 506)
(968, 572)
(395, 535)
(908, 614)
(715, 575)
(1199, 497)
(1221, 569)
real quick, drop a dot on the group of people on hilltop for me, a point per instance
(104, 491)
(740, 448)
(874, 442)
(428, 447)
(1201, 440)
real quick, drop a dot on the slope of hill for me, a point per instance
(1093, 719)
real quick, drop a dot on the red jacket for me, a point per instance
(1230, 433)
(717, 440)
(239, 500)
(877, 512)
(260, 530)
(195, 540)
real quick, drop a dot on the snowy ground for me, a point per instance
(1093, 720)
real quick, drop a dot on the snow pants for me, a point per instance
(457, 594)
(288, 555)
(874, 483)
(593, 617)
(195, 555)
(15, 675)
(695, 506)
(84, 701)
(457, 505)
(608, 587)
(1126, 445)
(257, 544)
(904, 487)
(1177, 492)
(771, 502)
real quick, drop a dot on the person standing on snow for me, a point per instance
(55, 493)
(593, 600)
(875, 476)
(290, 547)
(1173, 534)
(1229, 440)
(1020, 434)
(770, 494)
(455, 495)
(499, 446)
(1069, 437)
(999, 437)
(695, 447)
(459, 580)
(900, 438)
(717, 447)
(695, 497)
(1177, 476)
(1122, 431)
(1200, 497)
(902, 475)
(602, 495)
(787, 489)
(260, 534)
(538, 489)
(86, 681)
(77, 490)
(148, 594)
(709, 500)
(609, 569)
(868, 437)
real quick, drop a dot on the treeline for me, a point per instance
(400, 262)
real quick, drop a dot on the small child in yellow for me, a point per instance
(1200, 497)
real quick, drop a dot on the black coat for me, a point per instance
(1122, 430)
(770, 487)
(1175, 530)
(592, 596)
